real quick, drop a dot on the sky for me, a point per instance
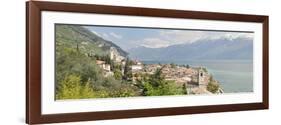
(128, 38)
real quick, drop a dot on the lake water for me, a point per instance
(233, 75)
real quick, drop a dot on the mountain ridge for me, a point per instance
(77, 36)
(239, 48)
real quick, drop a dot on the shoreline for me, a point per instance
(233, 76)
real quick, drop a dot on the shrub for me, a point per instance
(117, 74)
(156, 85)
(213, 87)
(71, 88)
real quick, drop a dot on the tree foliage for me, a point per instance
(117, 74)
(156, 85)
(173, 65)
(127, 70)
(78, 76)
(71, 88)
(213, 87)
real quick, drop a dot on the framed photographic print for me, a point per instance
(94, 62)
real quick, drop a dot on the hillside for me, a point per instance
(74, 36)
(235, 49)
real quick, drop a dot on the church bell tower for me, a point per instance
(201, 74)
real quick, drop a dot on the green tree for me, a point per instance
(71, 88)
(205, 69)
(129, 75)
(124, 91)
(117, 74)
(87, 91)
(126, 68)
(184, 88)
(69, 61)
(156, 85)
(117, 66)
(77, 74)
(173, 65)
(213, 87)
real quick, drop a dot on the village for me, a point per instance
(196, 79)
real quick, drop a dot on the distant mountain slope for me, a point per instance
(77, 36)
(239, 48)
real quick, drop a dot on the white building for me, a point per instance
(201, 76)
(136, 67)
(114, 55)
(102, 65)
(187, 79)
(107, 67)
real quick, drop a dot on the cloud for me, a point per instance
(105, 36)
(163, 38)
(167, 38)
(108, 36)
(95, 32)
(154, 43)
(115, 35)
(180, 36)
(232, 36)
(111, 36)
